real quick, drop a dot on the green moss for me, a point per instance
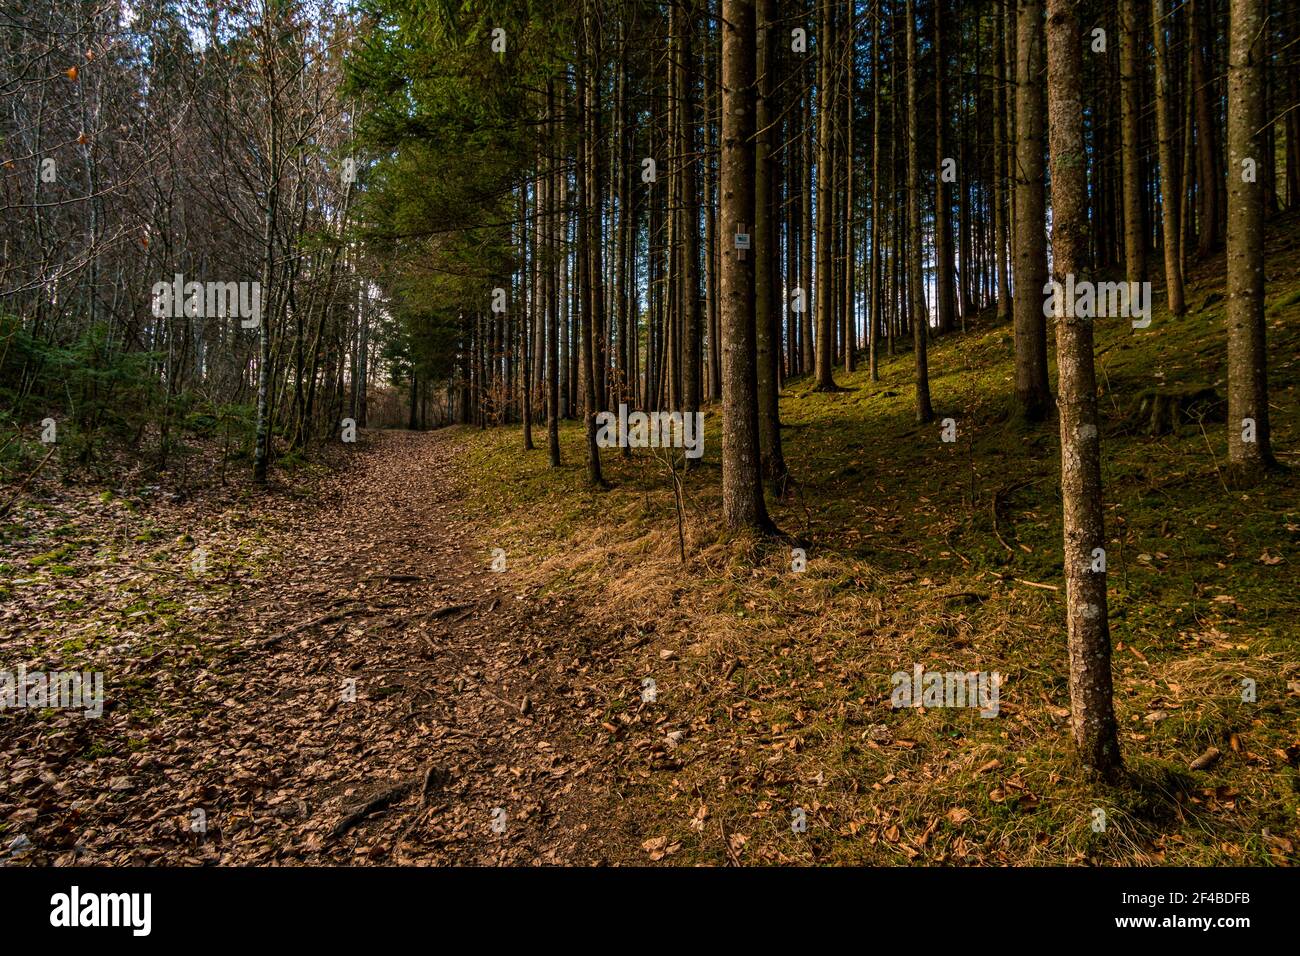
(52, 557)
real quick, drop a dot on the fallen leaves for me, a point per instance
(659, 847)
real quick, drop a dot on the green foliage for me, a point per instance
(93, 389)
(452, 124)
(99, 394)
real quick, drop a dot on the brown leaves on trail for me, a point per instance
(347, 683)
(297, 702)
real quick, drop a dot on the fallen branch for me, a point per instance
(433, 780)
(329, 618)
(381, 801)
(1035, 584)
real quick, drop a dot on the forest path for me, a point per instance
(458, 747)
(348, 682)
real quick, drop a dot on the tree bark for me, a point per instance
(916, 258)
(1131, 141)
(767, 254)
(1247, 354)
(1169, 185)
(807, 361)
(1001, 210)
(1092, 714)
(1033, 395)
(587, 281)
(690, 221)
(742, 489)
(1206, 148)
(945, 291)
(873, 315)
(552, 288)
(825, 345)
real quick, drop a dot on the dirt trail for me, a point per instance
(462, 744)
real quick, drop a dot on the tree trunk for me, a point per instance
(1092, 714)
(1033, 395)
(587, 281)
(1249, 446)
(767, 254)
(742, 489)
(1131, 140)
(945, 292)
(825, 344)
(528, 238)
(850, 324)
(873, 315)
(554, 289)
(916, 258)
(690, 220)
(807, 361)
(1000, 208)
(1206, 148)
(1169, 185)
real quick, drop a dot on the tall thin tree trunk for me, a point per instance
(587, 281)
(690, 219)
(1206, 148)
(1092, 714)
(1131, 141)
(1169, 185)
(807, 361)
(945, 292)
(1250, 449)
(554, 289)
(1001, 210)
(743, 506)
(916, 258)
(825, 345)
(873, 317)
(767, 254)
(850, 317)
(1033, 395)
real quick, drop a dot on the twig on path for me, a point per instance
(381, 801)
(726, 842)
(328, 618)
(1035, 584)
(502, 700)
(432, 781)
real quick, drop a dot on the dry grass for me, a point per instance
(779, 682)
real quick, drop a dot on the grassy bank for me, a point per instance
(773, 687)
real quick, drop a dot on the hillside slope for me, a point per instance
(772, 687)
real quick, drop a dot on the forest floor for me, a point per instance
(229, 688)
(333, 671)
